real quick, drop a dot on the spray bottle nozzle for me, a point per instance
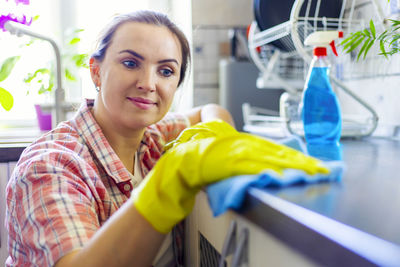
(332, 44)
(323, 39)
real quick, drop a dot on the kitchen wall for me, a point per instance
(212, 22)
(374, 79)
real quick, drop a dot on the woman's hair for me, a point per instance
(148, 17)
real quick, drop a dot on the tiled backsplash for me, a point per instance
(209, 46)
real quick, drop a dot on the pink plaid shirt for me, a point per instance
(69, 182)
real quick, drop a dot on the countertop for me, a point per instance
(353, 222)
(13, 141)
(11, 151)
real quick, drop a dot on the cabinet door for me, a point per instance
(5, 172)
(263, 249)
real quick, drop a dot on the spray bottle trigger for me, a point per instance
(332, 44)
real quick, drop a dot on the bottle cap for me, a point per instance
(320, 51)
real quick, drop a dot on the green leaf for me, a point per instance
(7, 67)
(383, 35)
(30, 77)
(74, 41)
(372, 27)
(394, 39)
(351, 42)
(6, 99)
(395, 22)
(44, 89)
(371, 42)
(355, 44)
(80, 60)
(347, 40)
(382, 47)
(363, 48)
(69, 75)
(395, 28)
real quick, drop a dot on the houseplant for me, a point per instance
(366, 38)
(43, 78)
(48, 78)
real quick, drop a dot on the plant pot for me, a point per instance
(44, 118)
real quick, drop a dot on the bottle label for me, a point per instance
(321, 113)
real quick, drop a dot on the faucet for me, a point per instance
(59, 95)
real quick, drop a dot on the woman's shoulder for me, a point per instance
(63, 142)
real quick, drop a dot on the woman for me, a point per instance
(65, 200)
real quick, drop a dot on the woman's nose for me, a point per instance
(147, 80)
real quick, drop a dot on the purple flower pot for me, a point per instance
(44, 119)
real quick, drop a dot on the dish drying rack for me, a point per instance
(288, 69)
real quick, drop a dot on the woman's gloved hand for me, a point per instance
(203, 130)
(204, 154)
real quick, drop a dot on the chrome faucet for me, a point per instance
(58, 110)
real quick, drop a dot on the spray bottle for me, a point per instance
(319, 107)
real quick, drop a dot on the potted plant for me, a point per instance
(42, 80)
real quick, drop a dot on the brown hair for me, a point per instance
(148, 17)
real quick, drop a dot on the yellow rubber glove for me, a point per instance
(203, 130)
(199, 157)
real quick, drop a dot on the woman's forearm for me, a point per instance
(127, 239)
(209, 112)
(213, 111)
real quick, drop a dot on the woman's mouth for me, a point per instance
(141, 103)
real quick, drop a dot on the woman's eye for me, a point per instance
(130, 63)
(166, 72)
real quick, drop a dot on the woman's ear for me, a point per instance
(94, 66)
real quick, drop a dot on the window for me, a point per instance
(57, 16)
(23, 111)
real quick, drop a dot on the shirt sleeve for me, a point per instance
(172, 125)
(51, 210)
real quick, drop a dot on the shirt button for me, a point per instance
(127, 187)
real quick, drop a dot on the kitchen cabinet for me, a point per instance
(6, 169)
(263, 249)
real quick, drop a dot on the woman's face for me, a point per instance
(138, 77)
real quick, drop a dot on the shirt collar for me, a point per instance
(94, 138)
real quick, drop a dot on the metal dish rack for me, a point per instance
(288, 69)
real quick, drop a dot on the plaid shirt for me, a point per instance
(69, 182)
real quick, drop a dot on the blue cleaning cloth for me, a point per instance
(230, 193)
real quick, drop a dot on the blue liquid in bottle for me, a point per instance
(321, 114)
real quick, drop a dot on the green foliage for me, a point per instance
(6, 98)
(44, 77)
(7, 66)
(388, 40)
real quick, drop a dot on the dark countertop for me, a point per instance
(11, 151)
(353, 222)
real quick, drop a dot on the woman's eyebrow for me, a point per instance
(133, 53)
(169, 60)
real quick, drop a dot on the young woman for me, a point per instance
(67, 201)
